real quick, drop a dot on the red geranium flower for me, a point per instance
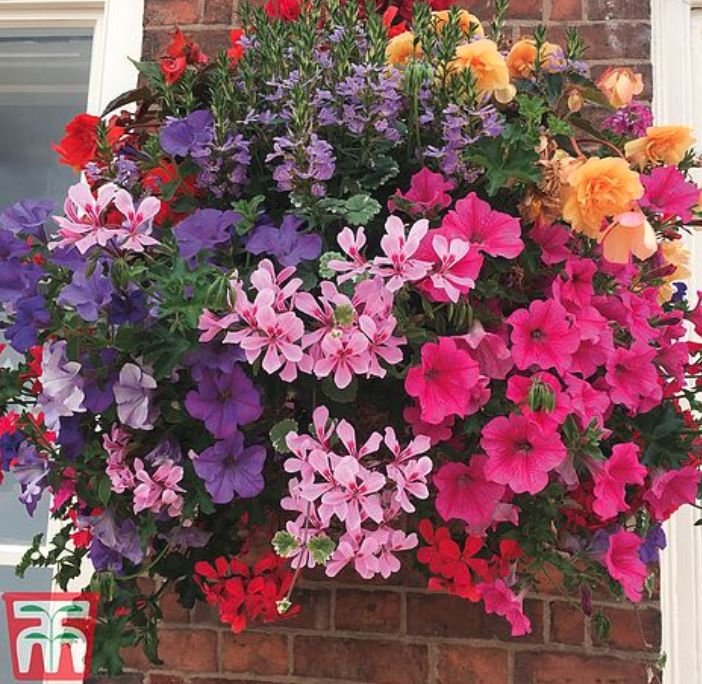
(178, 55)
(236, 51)
(79, 145)
(288, 10)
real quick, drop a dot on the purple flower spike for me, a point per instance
(229, 469)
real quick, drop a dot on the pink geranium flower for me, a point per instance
(343, 357)
(521, 453)
(633, 379)
(544, 336)
(669, 193)
(611, 477)
(491, 232)
(363, 555)
(501, 600)
(464, 493)
(455, 266)
(352, 246)
(427, 196)
(441, 384)
(624, 564)
(670, 490)
(160, 491)
(138, 221)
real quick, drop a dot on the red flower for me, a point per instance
(79, 145)
(236, 51)
(178, 55)
(288, 10)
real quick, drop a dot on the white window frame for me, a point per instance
(677, 63)
(117, 31)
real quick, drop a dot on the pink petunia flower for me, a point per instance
(521, 453)
(489, 350)
(611, 477)
(577, 286)
(427, 196)
(543, 336)
(624, 564)
(553, 241)
(441, 384)
(501, 600)
(441, 432)
(671, 489)
(544, 392)
(464, 493)
(667, 192)
(489, 231)
(587, 401)
(633, 378)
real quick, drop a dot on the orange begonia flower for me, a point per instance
(660, 145)
(630, 233)
(522, 58)
(467, 22)
(402, 48)
(488, 66)
(620, 86)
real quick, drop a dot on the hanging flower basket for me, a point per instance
(364, 289)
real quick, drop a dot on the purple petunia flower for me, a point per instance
(654, 543)
(30, 315)
(71, 438)
(133, 393)
(187, 537)
(181, 136)
(211, 357)
(10, 443)
(127, 307)
(204, 229)
(31, 472)
(87, 294)
(167, 449)
(229, 469)
(28, 217)
(223, 401)
(285, 243)
(62, 387)
(98, 380)
(115, 541)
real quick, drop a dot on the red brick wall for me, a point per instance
(401, 634)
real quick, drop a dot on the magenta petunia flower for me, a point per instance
(442, 383)
(670, 490)
(669, 193)
(464, 493)
(624, 564)
(500, 599)
(521, 453)
(427, 196)
(611, 477)
(544, 336)
(489, 231)
(633, 379)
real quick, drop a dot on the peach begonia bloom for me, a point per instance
(630, 233)
(466, 21)
(522, 58)
(597, 189)
(488, 66)
(675, 254)
(402, 48)
(620, 86)
(660, 145)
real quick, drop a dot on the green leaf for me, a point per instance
(360, 209)
(279, 433)
(340, 396)
(284, 543)
(321, 547)
(104, 491)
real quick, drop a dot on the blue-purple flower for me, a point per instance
(181, 136)
(229, 469)
(87, 294)
(223, 401)
(204, 229)
(27, 217)
(62, 387)
(286, 244)
(133, 393)
(31, 471)
(30, 316)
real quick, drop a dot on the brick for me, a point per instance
(518, 9)
(172, 610)
(188, 650)
(565, 10)
(614, 40)
(567, 624)
(608, 10)
(315, 610)
(135, 659)
(367, 611)
(155, 43)
(632, 630)
(171, 12)
(441, 615)
(218, 12)
(361, 660)
(563, 668)
(461, 664)
(253, 653)
(204, 613)
(160, 678)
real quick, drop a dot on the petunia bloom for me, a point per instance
(611, 477)
(669, 193)
(624, 564)
(133, 394)
(671, 489)
(441, 384)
